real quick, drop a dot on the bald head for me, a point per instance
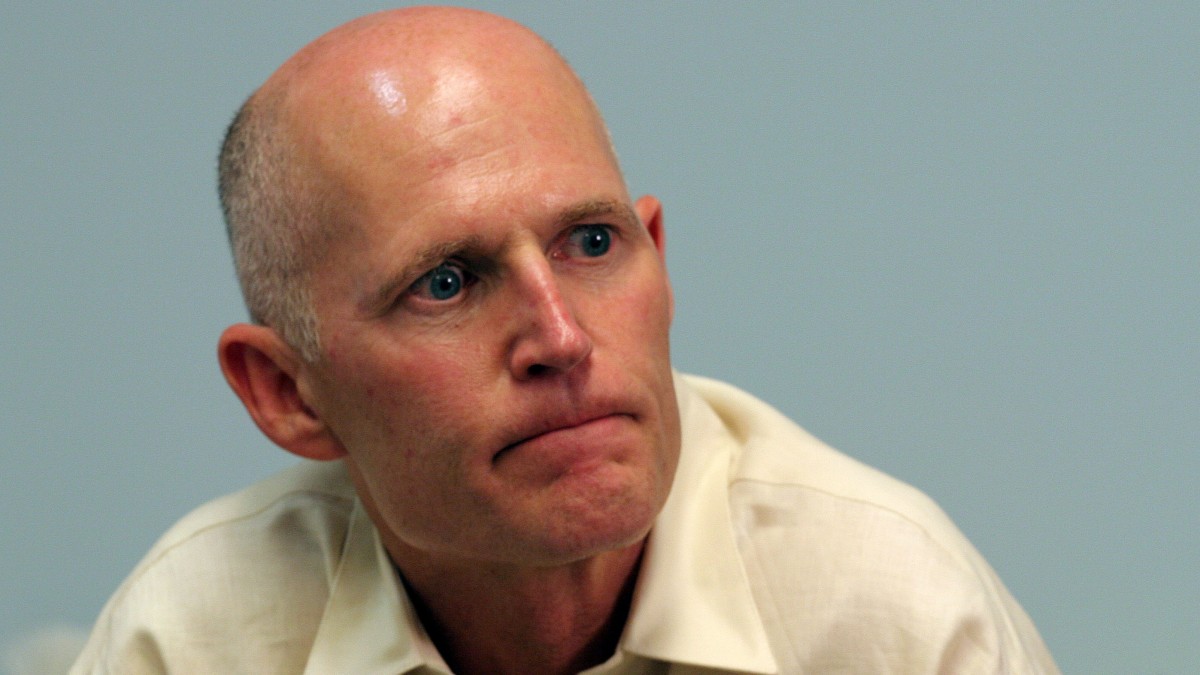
(379, 104)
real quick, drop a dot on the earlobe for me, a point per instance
(262, 370)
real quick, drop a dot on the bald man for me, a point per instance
(461, 315)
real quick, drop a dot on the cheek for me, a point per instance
(404, 431)
(641, 315)
(390, 402)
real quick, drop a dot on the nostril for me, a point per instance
(537, 369)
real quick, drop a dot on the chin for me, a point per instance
(575, 534)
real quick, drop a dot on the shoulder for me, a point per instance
(772, 450)
(249, 571)
(301, 511)
(837, 549)
(302, 502)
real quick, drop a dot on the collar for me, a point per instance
(692, 603)
(369, 626)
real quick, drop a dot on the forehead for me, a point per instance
(380, 107)
(471, 164)
(510, 189)
(460, 160)
(447, 127)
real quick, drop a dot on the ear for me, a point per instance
(649, 211)
(262, 370)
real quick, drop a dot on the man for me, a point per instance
(462, 315)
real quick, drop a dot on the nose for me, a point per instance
(548, 338)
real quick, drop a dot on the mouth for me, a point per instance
(588, 428)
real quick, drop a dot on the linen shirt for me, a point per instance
(773, 554)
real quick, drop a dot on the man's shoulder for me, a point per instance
(302, 510)
(770, 449)
(777, 467)
(306, 490)
(835, 548)
(250, 570)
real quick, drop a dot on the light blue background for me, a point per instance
(958, 241)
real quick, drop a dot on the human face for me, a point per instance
(495, 354)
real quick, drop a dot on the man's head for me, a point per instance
(486, 337)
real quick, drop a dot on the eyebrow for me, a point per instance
(434, 254)
(596, 207)
(424, 261)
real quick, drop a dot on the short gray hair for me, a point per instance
(271, 217)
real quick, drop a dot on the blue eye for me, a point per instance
(441, 283)
(592, 240)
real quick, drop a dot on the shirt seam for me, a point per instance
(150, 563)
(875, 505)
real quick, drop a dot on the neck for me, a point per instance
(542, 620)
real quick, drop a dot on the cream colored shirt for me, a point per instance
(773, 554)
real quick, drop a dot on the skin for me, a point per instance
(513, 441)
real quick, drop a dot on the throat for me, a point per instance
(566, 621)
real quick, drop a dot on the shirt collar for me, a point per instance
(693, 602)
(369, 626)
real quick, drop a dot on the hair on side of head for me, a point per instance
(269, 219)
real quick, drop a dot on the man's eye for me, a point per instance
(440, 283)
(591, 240)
